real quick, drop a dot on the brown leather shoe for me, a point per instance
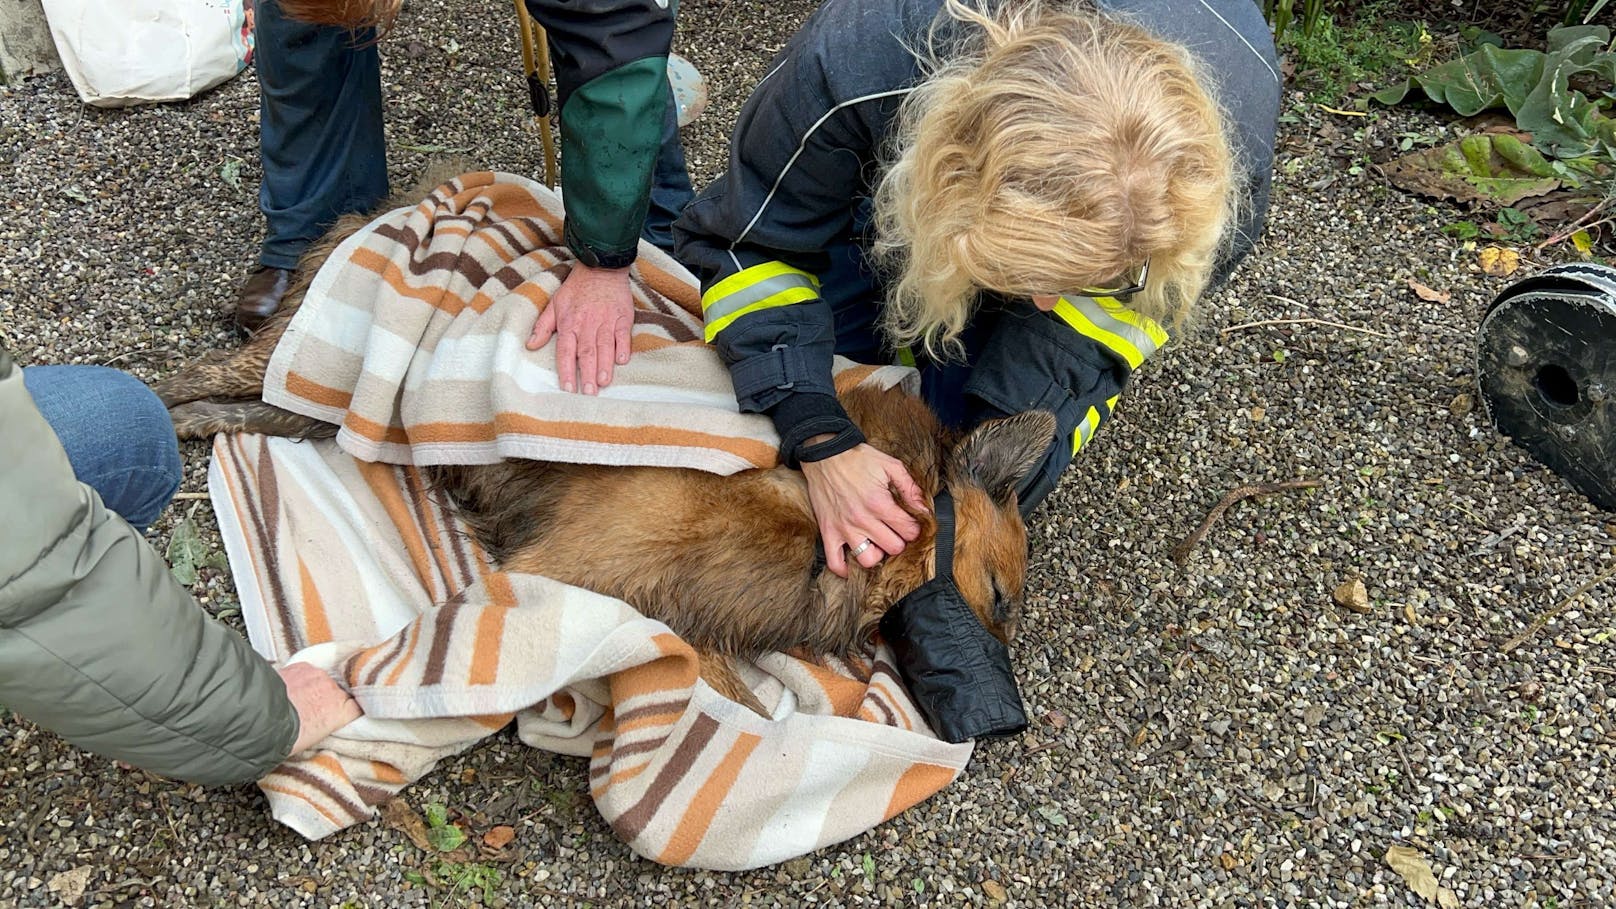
(260, 296)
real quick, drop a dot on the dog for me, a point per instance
(730, 563)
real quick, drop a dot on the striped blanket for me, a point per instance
(346, 561)
(411, 339)
(355, 567)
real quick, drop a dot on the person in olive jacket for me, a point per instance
(101, 645)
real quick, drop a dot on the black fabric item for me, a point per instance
(958, 673)
(801, 417)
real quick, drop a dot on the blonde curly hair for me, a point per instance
(1052, 148)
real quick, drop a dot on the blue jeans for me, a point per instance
(322, 146)
(117, 434)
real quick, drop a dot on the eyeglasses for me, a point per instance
(1135, 285)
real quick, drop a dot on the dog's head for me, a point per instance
(990, 540)
(982, 471)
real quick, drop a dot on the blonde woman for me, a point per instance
(1021, 196)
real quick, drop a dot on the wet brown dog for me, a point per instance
(730, 563)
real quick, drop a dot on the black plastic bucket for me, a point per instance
(1546, 366)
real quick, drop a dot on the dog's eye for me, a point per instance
(1001, 604)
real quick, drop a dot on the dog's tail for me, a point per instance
(202, 419)
(718, 671)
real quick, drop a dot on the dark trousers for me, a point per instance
(320, 136)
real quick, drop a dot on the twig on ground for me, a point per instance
(1547, 617)
(1181, 552)
(189, 496)
(1579, 224)
(1307, 320)
(135, 353)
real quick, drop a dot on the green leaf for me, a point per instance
(869, 866)
(436, 814)
(186, 552)
(446, 838)
(1497, 168)
(1532, 85)
(1464, 230)
(230, 173)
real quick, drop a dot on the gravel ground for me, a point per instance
(1215, 735)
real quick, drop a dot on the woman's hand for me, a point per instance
(590, 317)
(852, 495)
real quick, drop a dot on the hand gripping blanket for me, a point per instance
(354, 565)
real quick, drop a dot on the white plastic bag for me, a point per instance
(123, 52)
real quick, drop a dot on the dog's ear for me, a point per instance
(999, 453)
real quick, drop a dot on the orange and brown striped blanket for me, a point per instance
(354, 567)
(411, 339)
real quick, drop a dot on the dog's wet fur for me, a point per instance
(730, 563)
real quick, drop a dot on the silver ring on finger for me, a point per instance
(858, 550)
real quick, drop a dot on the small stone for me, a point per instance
(1409, 615)
(1257, 414)
(1462, 404)
(995, 891)
(1352, 595)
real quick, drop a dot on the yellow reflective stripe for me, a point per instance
(783, 298)
(1127, 334)
(747, 277)
(763, 286)
(906, 357)
(1121, 313)
(1081, 323)
(1111, 403)
(1085, 429)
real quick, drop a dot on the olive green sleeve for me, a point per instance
(99, 644)
(611, 69)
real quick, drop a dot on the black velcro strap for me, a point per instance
(943, 508)
(845, 440)
(781, 368)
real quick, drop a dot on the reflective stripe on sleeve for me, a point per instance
(1115, 327)
(1091, 422)
(762, 286)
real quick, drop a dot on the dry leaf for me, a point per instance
(1056, 719)
(1417, 874)
(1409, 615)
(499, 837)
(1257, 414)
(1500, 261)
(69, 885)
(1461, 404)
(1352, 595)
(468, 776)
(1228, 861)
(995, 891)
(1427, 293)
(398, 815)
